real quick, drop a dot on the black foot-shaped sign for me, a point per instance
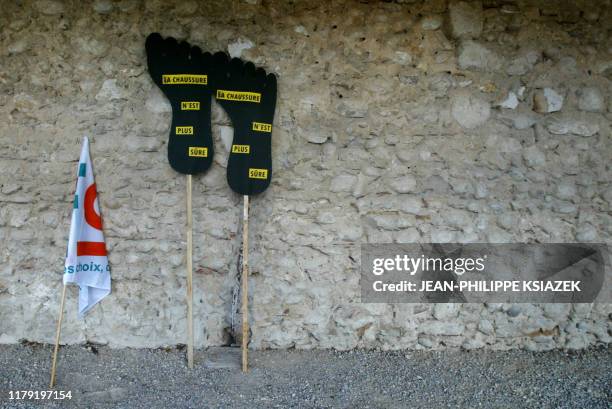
(248, 96)
(182, 73)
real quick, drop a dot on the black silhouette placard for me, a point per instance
(182, 72)
(248, 96)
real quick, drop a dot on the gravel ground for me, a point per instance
(100, 377)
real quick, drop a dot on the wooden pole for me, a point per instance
(189, 277)
(57, 338)
(245, 284)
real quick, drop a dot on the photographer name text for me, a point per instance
(478, 286)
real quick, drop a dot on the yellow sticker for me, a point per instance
(184, 130)
(261, 127)
(241, 96)
(184, 79)
(258, 173)
(241, 148)
(198, 151)
(190, 105)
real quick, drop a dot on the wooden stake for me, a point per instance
(245, 284)
(57, 337)
(189, 278)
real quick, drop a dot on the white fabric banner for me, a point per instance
(86, 259)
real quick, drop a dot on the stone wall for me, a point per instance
(405, 121)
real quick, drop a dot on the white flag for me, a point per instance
(86, 259)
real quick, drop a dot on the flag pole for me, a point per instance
(245, 284)
(189, 277)
(57, 338)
